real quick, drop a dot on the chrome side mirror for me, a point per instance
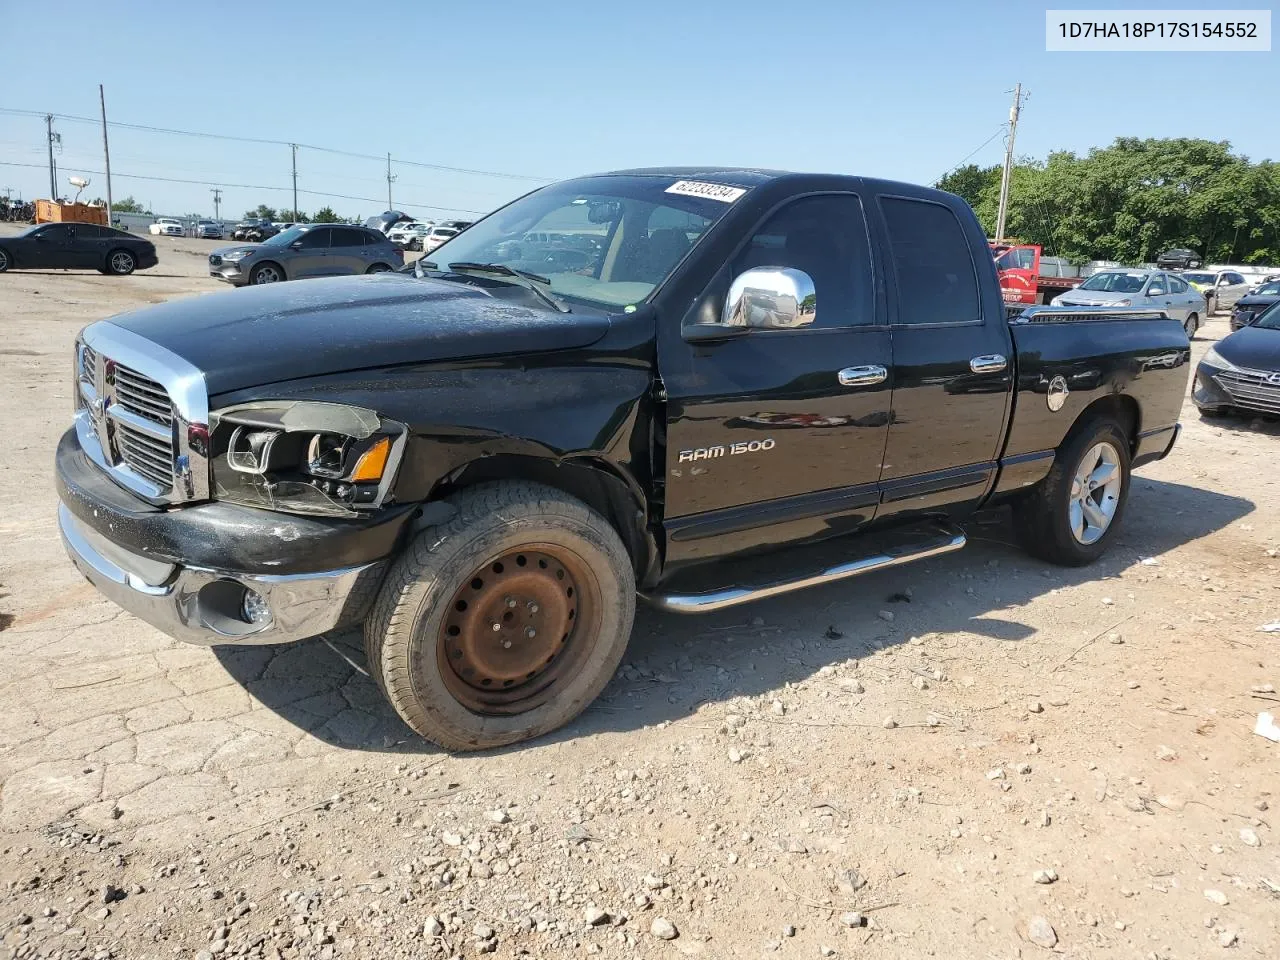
(770, 298)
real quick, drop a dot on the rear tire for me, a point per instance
(378, 268)
(547, 573)
(1191, 325)
(4, 259)
(1054, 521)
(120, 263)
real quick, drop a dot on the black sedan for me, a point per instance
(1242, 371)
(1248, 308)
(76, 246)
(1179, 259)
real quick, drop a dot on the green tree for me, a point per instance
(326, 215)
(970, 181)
(294, 216)
(128, 205)
(263, 212)
(1136, 198)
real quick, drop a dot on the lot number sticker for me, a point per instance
(708, 191)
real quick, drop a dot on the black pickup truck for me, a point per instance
(485, 458)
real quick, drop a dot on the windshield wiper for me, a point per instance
(503, 270)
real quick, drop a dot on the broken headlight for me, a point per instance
(304, 457)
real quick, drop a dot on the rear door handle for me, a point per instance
(990, 363)
(862, 376)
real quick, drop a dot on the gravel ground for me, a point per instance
(978, 756)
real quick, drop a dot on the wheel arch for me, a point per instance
(1121, 407)
(595, 481)
(269, 263)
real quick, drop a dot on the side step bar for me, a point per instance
(946, 540)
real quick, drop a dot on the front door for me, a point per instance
(54, 246)
(777, 436)
(311, 254)
(952, 368)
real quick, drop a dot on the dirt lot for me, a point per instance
(980, 756)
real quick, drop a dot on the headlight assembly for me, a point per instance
(236, 255)
(304, 457)
(1214, 359)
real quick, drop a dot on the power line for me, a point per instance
(252, 186)
(999, 130)
(278, 143)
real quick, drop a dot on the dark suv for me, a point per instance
(307, 250)
(1179, 260)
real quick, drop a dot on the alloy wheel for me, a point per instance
(1095, 493)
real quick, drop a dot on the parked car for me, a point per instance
(401, 233)
(306, 250)
(254, 230)
(76, 246)
(1261, 281)
(485, 464)
(412, 240)
(1248, 308)
(1152, 289)
(167, 227)
(436, 237)
(1242, 371)
(1179, 259)
(1221, 290)
(208, 230)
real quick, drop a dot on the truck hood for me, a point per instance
(307, 328)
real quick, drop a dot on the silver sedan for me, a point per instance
(1153, 289)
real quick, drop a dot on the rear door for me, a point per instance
(777, 436)
(90, 245)
(952, 365)
(347, 251)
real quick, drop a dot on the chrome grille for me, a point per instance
(143, 396)
(1252, 389)
(88, 363)
(145, 447)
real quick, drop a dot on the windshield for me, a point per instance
(1115, 282)
(1270, 318)
(608, 241)
(284, 237)
(1198, 277)
(1269, 289)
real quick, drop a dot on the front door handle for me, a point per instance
(862, 376)
(990, 363)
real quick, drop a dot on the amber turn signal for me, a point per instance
(372, 462)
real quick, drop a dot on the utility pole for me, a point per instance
(295, 180)
(389, 179)
(217, 203)
(1014, 111)
(106, 150)
(53, 175)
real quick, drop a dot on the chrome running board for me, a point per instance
(946, 540)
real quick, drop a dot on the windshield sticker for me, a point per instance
(708, 191)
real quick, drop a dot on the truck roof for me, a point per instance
(754, 176)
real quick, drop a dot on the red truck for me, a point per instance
(1028, 277)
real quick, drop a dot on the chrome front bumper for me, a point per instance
(202, 606)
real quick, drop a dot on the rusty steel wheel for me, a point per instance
(504, 621)
(515, 628)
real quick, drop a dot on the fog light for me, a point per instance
(254, 608)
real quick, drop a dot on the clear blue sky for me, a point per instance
(902, 90)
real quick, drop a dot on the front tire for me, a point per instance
(4, 259)
(266, 273)
(504, 622)
(120, 263)
(1071, 515)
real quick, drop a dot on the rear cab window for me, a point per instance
(936, 278)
